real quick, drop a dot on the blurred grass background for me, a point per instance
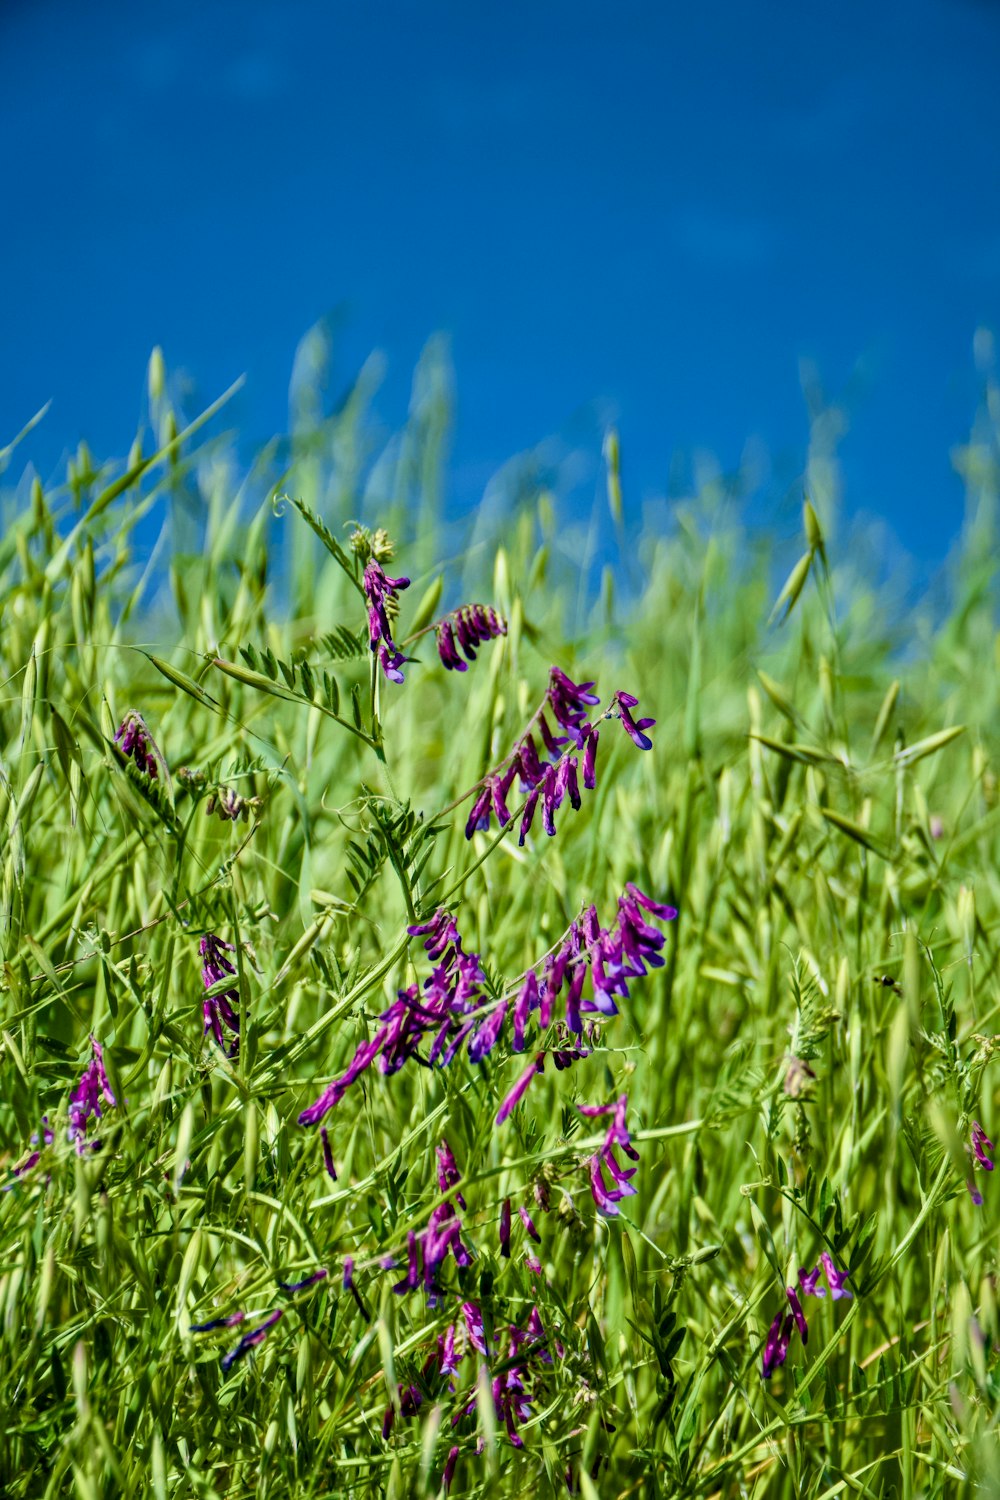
(832, 850)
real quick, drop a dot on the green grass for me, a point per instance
(832, 842)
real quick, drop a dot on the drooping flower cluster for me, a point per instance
(86, 1098)
(468, 627)
(448, 1010)
(511, 1388)
(785, 1323)
(980, 1147)
(223, 1008)
(554, 776)
(780, 1334)
(382, 595)
(137, 744)
(427, 1252)
(607, 1198)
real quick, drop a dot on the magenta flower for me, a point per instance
(137, 744)
(331, 1170)
(520, 1088)
(505, 1229)
(448, 1473)
(809, 1282)
(382, 594)
(224, 1008)
(448, 1173)
(798, 1314)
(300, 1286)
(605, 1198)
(776, 1346)
(981, 1145)
(85, 1100)
(528, 1223)
(250, 1341)
(474, 1326)
(213, 1323)
(447, 1358)
(473, 625)
(31, 1160)
(625, 702)
(835, 1279)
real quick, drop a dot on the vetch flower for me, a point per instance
(809, 1282)
(981, 1145)
(224, 1008)
(250, 1341)
(634, 730)
(448, 1173)
(85, 1100)
(835, 1279)
(328, 1154)
(473, 625)
(520, 1088)
(300, 1286)
(798, 1314)
(382, 594)
(776, 1346)
(448, 1360)
(474, 1326)
(528, 1223)
(448, 1473)
(505, 1229)
(137, 744)
(213, 1323)
(32, 1159)
(605, 1198)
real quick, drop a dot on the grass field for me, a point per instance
(806, 1065)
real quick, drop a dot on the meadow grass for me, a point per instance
(802, 1073)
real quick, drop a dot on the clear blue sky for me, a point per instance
(649, 211)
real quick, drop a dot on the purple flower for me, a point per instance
(137, 744)
(85, 1100)
(224, 1008)
(528, 1223)
(328, 1154)
(605, 1198)
(625, 702)
(527, 816)
(382, 594)
(975, 1194)
(300, 1286)
(474, 624)
(798, 1314)
(448, 1173)
(485, 1038)
(520, 1088)
(590, 761)
(569, 702)
(981, 1145)
(348, 1273)
(411, 1280)
(835, 1279)
(213, 1323)
(448, 1473)
(250, 1341)
(526, 1002)
(474, 1326)
(809, 1282)
(776, 1347)
(447, 1358)
(32, 1159)
(533, 1264)
(505, 1229)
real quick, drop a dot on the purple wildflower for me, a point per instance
(300, 1286)
(348, 1272)
(798, 1314)
(590, 761)
(250, 1341)
(981, 1146)
(776, 1347)
(32, 1159)
(835, 1279)
(137, 744)
(520, 1088)
(533, 1264)
(474, 1326)
(328, 1154)
(975, 1194)
(809, 1282)
(569, 702)
(505, 1229)
(473, 624)
(382, 594)
(447, 1358)
(605, 1198)
(625, 702)
(223, 1008)
(213, 1323)
(85, 1100)
(527, 816)
(448, 1473)
(448, 1173)
(528, 1223)
(485, 1037)
(526, 1002)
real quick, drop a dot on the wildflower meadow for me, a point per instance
(496, 1005)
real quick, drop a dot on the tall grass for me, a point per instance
(821, 805)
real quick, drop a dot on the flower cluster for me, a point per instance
(223, 1008)
(511, 1388)
(468, 627)
(785, 1323)
(382, 595)
(427, 1253)
(556, 775)
(607, 1199)
(85, 1100)
(137, 744)
(980, 1147)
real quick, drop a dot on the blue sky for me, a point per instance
(649, 213)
